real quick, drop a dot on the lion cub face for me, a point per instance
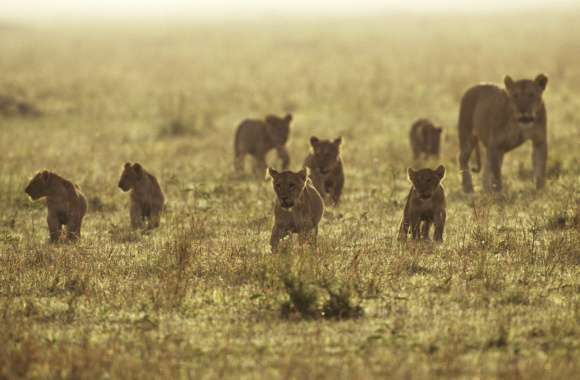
(526, 97)
(326, 153)
(426, 181)
(279, 128)
(288, 186)
(131, 174)
(39, 185)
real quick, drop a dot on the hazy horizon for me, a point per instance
(215, 9)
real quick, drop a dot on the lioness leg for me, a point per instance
(136, 214)
(404, 228)
(494, 162)
(239, 162)
(425, 229)
(54, 227)
(465, 149)
(439, 222)
(539, 158)
(284, 156)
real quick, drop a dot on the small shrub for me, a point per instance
(303, 299)
(341, 304)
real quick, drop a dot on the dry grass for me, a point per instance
(202, 297)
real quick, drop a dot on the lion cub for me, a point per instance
(425, 204)
(258, 137)
(299, 207)
(425, 139)
(325, 166)
(66, 204)
(147, 199)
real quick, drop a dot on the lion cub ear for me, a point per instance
(542, 81)
(440, 171)
(45, 175)
(411, 174)
(127, 165)
(271, 173)
(314, 141)
(338, 141)
(508, 82)
(303, 174)
(138, 169)
(288, 117)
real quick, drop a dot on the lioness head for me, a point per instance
(39, 186)
(131, 174)
(288, 186)
(526, 97)
(326, 153)
(279, 128)
(426, 181)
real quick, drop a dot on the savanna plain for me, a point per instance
(202, 296)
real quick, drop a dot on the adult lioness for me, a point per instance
(258, 137)
(299, 207)
(503, 119)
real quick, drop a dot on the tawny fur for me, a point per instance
(326, 169)
(66, 204)
(425, 139)
(503, 119)
(258, 137)
(299, 207)
(146, 199)
(425, 205)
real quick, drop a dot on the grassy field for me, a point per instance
(202, 297)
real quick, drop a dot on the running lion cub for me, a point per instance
(66, 204)
(299, 207)
(147, 198)
(425, 204)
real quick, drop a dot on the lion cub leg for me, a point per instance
(73, 229)
(278, 233)
(136, 214)
(439, 222)
(415, 226)
(154, 219)
(54, 226)
(260, 164)
(283, 156)
(425, 229)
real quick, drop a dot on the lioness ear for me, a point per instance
(438, 129)
(542, 81)
(127, 165)
(45, 175)
(314, 141)
(288, 117)
(272, 173)
(440, 171)
(338, 141)
(303, 173)
(411, 174)
(509, 82)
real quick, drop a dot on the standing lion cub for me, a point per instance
(147, 199)
(425, 204)
(425, 139)
(66, 204)
(326, 169)
(258, 137)
(298, 209)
